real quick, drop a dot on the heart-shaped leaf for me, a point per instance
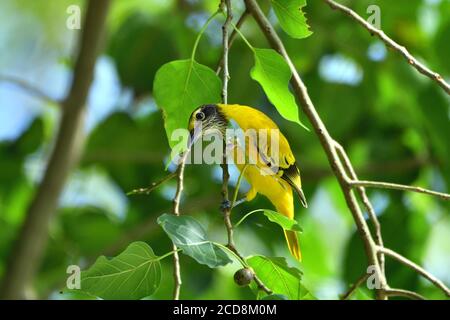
(273, 74)
(181, 86)
(275, 217)
(282, 221)
(188, 234)
(278, 276)
(291, 17)
(133, 274)
(275, 297)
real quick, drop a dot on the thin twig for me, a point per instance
(176, 211)
(34, 91)
(362, 193)
(355, 286)
(153, 186)
(226, 206)
(232, 38)
(403, 293)
(438, 283)
(392, 44)
(225, 43)
(395, 186)
(261, 285)
(238, 185)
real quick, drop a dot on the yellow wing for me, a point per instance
(250, 118)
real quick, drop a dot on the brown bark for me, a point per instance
(31, 242)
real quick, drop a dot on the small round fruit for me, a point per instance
(243, 277)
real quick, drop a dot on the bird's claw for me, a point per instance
(225, 205)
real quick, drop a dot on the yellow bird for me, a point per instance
(276, 187)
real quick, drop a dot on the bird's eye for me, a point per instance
(200, 116)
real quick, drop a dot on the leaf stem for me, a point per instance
(245, 217)
(238, 185)
(202, 30)
(240, 259)
(236, 29)
(168, 254)
(176, 211)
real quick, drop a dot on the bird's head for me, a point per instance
(206, 119)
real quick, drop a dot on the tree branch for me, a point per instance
(232, 38)
(226, 206)
(395, 186)
(403, 293)
(438, 283)
(34, 91)
(176, 211)
(153, 186)
(355, 286)
(325, 139)
(225, 43)
(362, 193)
(32, 239)
(392, 44)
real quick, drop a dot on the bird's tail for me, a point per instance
(285, 206)
(294, 246)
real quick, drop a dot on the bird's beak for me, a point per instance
(191, 138)
(194, 134)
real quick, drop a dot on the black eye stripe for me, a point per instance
(200, 116)
(208, 110)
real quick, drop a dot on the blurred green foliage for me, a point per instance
(393, 121)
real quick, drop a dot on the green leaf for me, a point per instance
(273, 74)
(179, 88)
(291, 17)
(282, 221)
(276, 217)
(133, 274)
(278, 276)
(187, 234)
(275, 297)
